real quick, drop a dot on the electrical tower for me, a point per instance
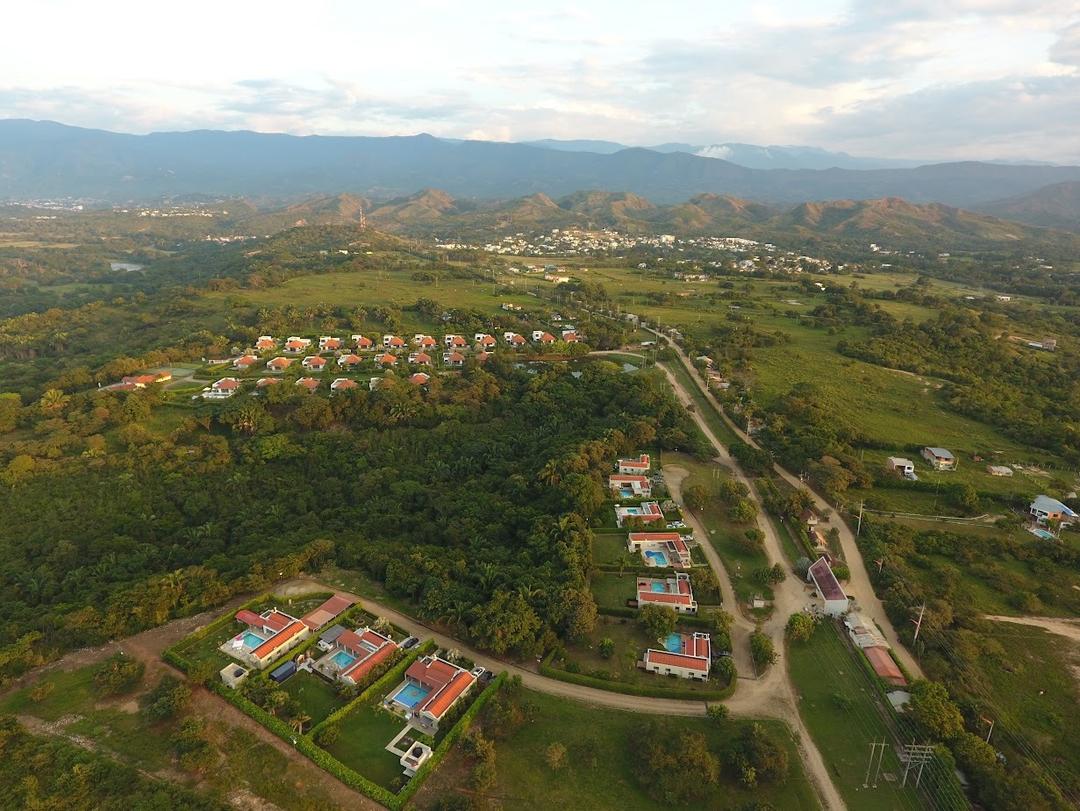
(878, 750)
(917, 754)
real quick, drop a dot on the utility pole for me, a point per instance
(877, 749)
(918, 622)
(858, 530)
(919, 754)
(990, 731)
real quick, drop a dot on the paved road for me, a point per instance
(858, 585)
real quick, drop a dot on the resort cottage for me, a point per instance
(688, 656)
(354, 654)
(660, 548)
(647, 512)
(432, 686)
(673, 592)
(630, 486)
(268, 636)
(639, 466)
(1046, 509)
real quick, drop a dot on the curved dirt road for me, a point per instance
(859, 583)
(1062, 626)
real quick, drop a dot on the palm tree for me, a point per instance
(298, 722)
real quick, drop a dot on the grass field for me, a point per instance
(600, 763)
(612, 590)
(838, 704)
(1033, 690)
(243, 763)
(724, 533)
(365, 732)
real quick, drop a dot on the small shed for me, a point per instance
(280, 674)
(232, 675)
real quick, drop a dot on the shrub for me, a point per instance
(166, 699)
(761, 650)
(117, 674)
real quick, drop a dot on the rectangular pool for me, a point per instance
(342, 659)
(252, 640)
(659, 588)
(410, 695)
(1044, 534)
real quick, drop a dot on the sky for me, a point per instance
(917, 79)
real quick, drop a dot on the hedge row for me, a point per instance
(456, 731)
(306, 746)
(684, 619)
(383, 683)
(634, 689)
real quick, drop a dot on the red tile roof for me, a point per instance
(330, 609)
(309, 383)
(357, 670)
(427, 340)
(884, 665)
(315, 360)
(343, 383)
(278, 639)
(677, 660)
(654, 536)
(419, 378)
(388, 359)
(421, 357)
(628, 478)
(249, 617)
(245, 360)
(826, 581)
(442, 701)
(363, 341)
(349, 360)
(396, 341)
(455, 357)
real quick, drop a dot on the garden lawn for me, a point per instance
(316, 695)
(365, 732)
(612, 590)
(599, 770)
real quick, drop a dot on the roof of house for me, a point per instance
(419, 378)
(347, 359)
(245, 360)
(547, 337)
(884, 665)
(363, 340)
(641, 462)
(940, 453)
(308, 383)
(331, 633)
(1051, 505)
(249, 617)
(642, 537)
(628, 478)
(825, 580)
(343, 383)
(280, 638)
(421, 357)
(388, 358)
(361, 667)
(441, 701)
(267, 381)
(663, 657)
(314, 360)
(327, 611)
(482, 356)
(454, 357)
(279, 362)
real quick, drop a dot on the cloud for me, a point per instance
(1066, 50)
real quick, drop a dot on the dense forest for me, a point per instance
(472, 500)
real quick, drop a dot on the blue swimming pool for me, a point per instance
(410, 695)
(659, 587)
(252, 640)
(1044, 534)
(342, 659)
(657, 558)
(673, 643)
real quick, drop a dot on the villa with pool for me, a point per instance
(647, 512)
(630, 486)
(354, 654)
(687, 656)
(673, 592)
(432, 686)
(267, 636)
(660, 548)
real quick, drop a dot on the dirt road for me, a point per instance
(1062, 626)
(858, 585)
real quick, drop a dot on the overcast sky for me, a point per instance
(921, 79)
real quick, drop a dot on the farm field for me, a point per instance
(600, 771)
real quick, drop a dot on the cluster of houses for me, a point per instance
(936, 458)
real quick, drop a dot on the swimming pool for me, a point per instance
(673, 643)
(1044, 534)
(659, 587)
(252, 640)
(342, 659)
(656, 558)
(410, 695)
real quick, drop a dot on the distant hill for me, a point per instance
(890, 222)
(1054, 206)
(47, 160)
(337, 209)
(796, 157)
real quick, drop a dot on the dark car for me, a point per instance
(411, 642)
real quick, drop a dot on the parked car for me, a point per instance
(479, 671)
(411, 642)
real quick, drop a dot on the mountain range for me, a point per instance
(892, 222)
(40, 159)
